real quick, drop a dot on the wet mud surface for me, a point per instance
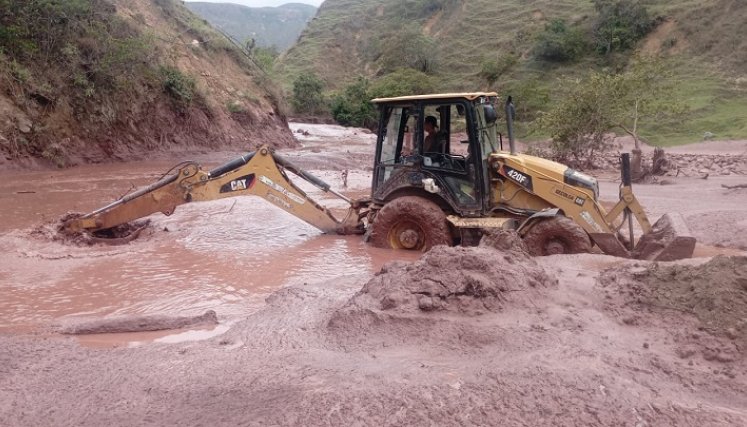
(326, 330)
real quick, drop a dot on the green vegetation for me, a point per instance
(560, 43)
(404, 81)
(265, 57)
(178, 85)
(407, 48)
(100, 54)
(307, 95)
(77, 72)
(620, 24)
(536, 51)
(593, 107)
(493, 69)
(352, 106)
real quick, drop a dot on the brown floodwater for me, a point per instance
(225, 255)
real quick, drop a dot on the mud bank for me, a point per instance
(561, 357)
(714, 294)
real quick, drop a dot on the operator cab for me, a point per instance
(436, 146)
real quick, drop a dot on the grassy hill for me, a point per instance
(453, 41)
(277, 27)
(95, 80)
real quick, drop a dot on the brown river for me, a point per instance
(225, 255)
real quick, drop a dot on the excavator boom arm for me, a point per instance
(260, 173)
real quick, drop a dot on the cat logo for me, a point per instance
(239, 184)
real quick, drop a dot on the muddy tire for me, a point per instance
(557, 235)
(410, 222)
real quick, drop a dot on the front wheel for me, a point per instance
(557, 235)
(411, 222)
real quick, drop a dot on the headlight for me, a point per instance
(579, 179)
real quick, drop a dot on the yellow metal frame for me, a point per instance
(261, 176)
(549, 191)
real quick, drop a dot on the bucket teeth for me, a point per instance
(668, 240)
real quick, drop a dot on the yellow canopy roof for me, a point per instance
(470, 96)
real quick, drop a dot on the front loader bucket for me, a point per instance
(668, 240)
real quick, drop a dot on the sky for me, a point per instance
(263, 3)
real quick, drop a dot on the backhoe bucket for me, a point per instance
(668, 240)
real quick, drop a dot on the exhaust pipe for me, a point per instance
(510, 113)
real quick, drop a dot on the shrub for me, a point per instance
(560, 43)
(620, 24)
(353, 106)
(178, 85)
(83, 37)
(235, 107)
(265, 57)
(493, 69)
(307, 95)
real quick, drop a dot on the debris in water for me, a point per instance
(59, 232)
(124, 324)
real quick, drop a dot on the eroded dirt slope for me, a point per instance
(143, 77)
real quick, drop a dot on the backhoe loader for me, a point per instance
(448, 187)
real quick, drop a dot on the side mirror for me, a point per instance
(490, 114)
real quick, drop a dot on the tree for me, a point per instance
(353, 106)
(307, 94)
(607, 102)
(579, 122)
(644, 92)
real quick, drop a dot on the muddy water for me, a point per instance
(225, 255)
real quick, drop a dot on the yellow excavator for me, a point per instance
(441, 176)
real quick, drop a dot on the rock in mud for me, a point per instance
(123, 324)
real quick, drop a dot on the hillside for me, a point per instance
(704, 42)
(95, 80)
(277, 27)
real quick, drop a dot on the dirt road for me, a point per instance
(307, 335)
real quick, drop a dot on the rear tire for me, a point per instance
(410, 222)
(557, 235)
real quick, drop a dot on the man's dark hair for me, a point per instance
(432, 120)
